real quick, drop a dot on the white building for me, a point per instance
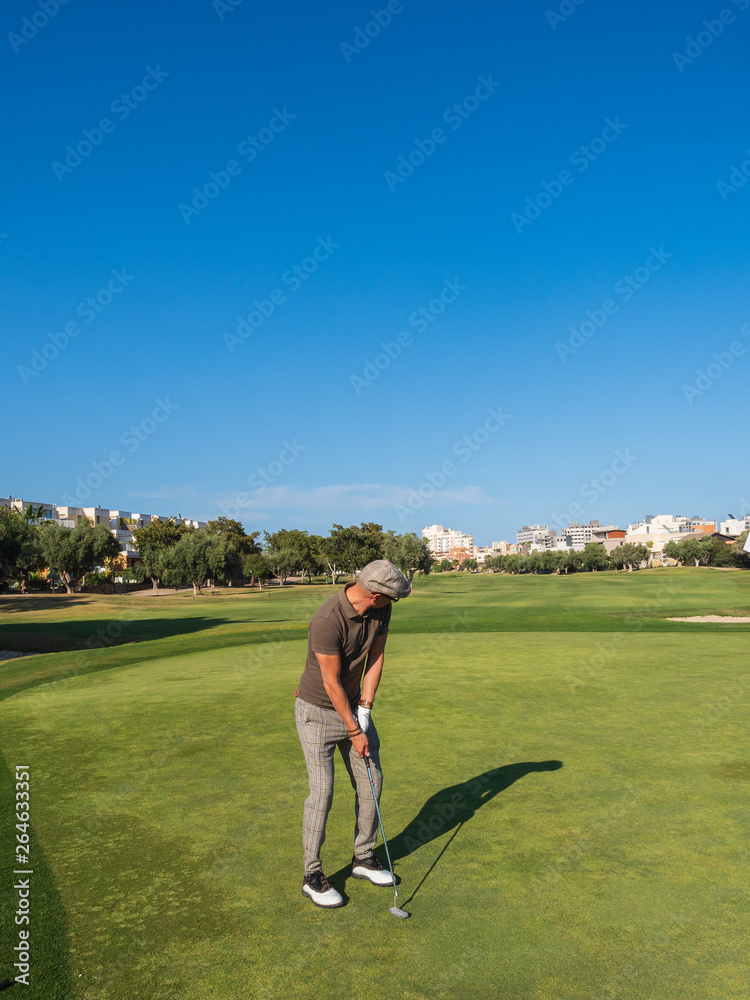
(579, 535)
(441, 540)
(503, 548)
(734, 526)
(46, 510)
(537, 536)
(120, 522)
(668, 526)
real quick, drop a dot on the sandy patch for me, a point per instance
(712, 618)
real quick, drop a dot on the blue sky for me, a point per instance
(559, 166)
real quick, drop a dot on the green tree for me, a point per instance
(471, 565)
(20, 545)
(151, 542)
(282, 563)
(696, 550)
(409, 552)
(741, 558)
(73, 552)
(372, 541)
(629, 555)
(306, 547)
(197, 557)
(672, 551)
(332, 553)
(573, 561)
(348, 550)
(534, 561)
(561, 562)
(722, 554)
(549, 561)
(512, 563)
(595, 556)
(234, 532)
(13, 532)
(256, 567)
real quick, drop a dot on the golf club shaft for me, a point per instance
(380, 820)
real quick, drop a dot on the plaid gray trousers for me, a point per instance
(321, 730)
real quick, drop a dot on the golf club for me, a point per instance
(395, 910)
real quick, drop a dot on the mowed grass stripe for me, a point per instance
(170, 796)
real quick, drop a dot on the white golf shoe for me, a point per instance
(371, 869)
(320, 892)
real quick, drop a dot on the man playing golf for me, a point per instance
(346, 646)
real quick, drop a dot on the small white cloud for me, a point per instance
(337, 501)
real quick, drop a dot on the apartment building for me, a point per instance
(46, 510)
(670, 525)
(442, 540)
(579, 535)
(503, 548)
(734, 526)
(537, 536)
(120, 522)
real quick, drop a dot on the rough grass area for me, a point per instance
(565, 795)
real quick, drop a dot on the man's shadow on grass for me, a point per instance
(447, 809)
(78, 634)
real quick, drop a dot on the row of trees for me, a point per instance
(593, 558)
(29, 544)
(708, 551)
(175, 554)
(232, 553)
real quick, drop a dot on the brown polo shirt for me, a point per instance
(336, 629)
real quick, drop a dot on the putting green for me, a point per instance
(567, 808)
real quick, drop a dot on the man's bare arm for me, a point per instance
(374, 668)
(330, 669)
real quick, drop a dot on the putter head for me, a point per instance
(398, 912)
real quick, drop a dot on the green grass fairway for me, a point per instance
(566, 795)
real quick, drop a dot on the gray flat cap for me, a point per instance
(382, 577)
